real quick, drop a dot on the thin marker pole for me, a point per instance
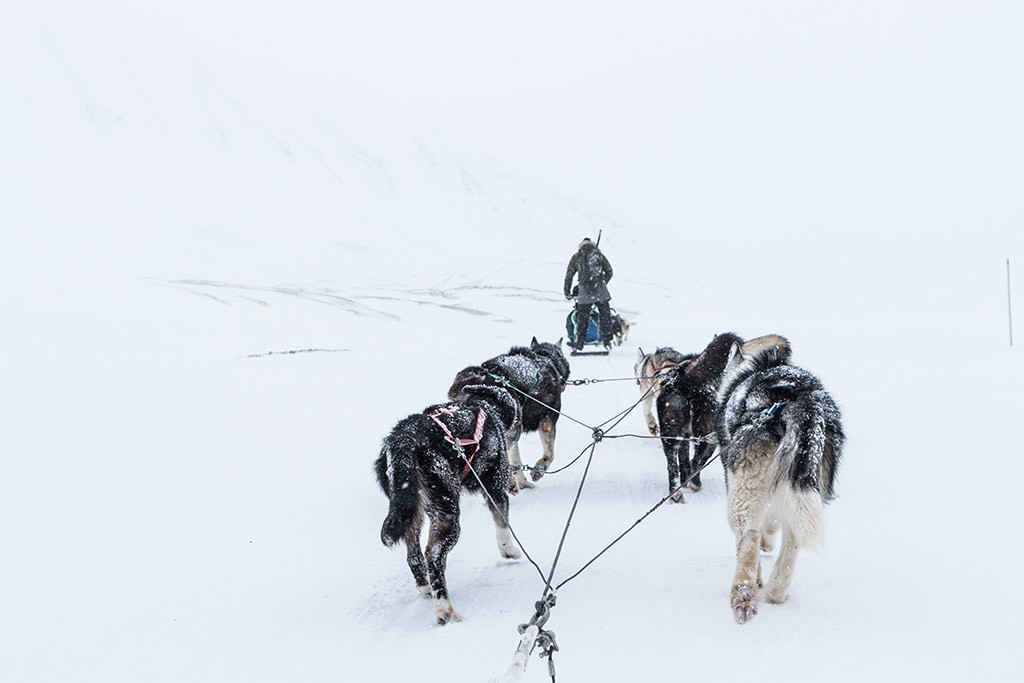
(1009, 303)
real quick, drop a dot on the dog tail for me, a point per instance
(807, 484)
(396, 472)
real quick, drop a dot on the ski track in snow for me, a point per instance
(321, 294)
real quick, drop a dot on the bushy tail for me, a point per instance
(396, 472)
(806, 480)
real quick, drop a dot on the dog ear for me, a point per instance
(734, 351)
(534, 343)
(559, 342)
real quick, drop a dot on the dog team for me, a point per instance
(777, 431)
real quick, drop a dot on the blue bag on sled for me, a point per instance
(593, 331)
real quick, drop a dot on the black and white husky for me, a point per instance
(422, 472)
(649, 370)
(781, 438)
(537, 376)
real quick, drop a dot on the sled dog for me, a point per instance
(781, 438)
(686, 407)
(648, 371)
(539, 371)
(620, 328)
(422, 473)
(686, 410)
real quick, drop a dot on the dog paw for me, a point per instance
(523, 483)
(445, 613)
(775, 595)
(744, 603)
(510, 552)
(537, 472)
(652, 427)
(693, 486)
(677, 497)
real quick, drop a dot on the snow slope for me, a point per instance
(192, 191)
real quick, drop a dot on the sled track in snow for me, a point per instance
(229, 293)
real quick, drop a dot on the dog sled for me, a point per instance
(598, 345)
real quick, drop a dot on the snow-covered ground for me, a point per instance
(190, 190)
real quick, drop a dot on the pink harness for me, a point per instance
(668, 365)
(481, 418)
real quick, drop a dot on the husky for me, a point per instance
(421, 470)
(620, 328)
(648, 370)
(537, 376)
(686, 410)
(781, 439)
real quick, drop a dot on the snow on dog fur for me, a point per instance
(537, 376)
(422, 473)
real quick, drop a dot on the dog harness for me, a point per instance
(657, 370)
(767, 413)
(667, 365)
(478, 431)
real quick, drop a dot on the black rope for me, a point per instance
(598, 432)
(504, 382)
(598, 435)
(568, 521)
(546, 639)
(594, 430)
(504, 517)
(637, 522)
(560, 469)
(622, 416)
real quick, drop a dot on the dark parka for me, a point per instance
(600, 294)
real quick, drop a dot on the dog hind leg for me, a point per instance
(771, 527)
(701, 452)
(677, 462)
(803, 527)
(701, 423)
(444, 534)
(414, 554)
(782, 572)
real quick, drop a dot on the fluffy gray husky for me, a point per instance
(781, 438)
